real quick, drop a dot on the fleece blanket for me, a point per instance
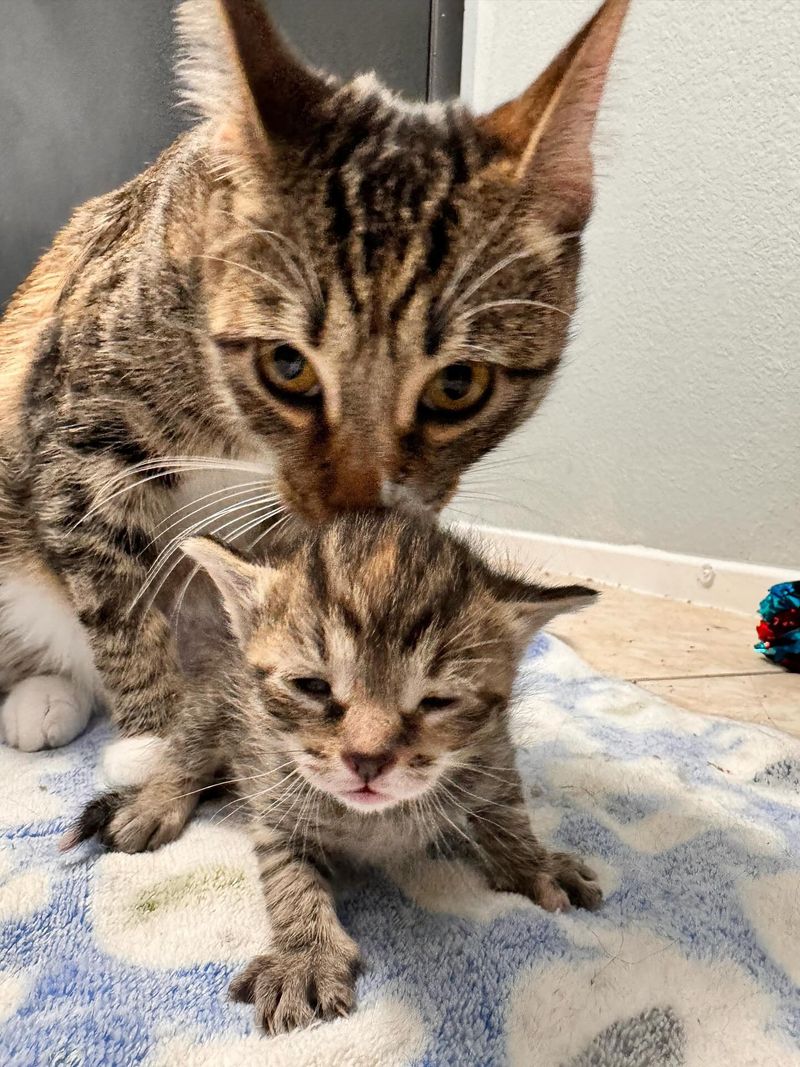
(692, 823)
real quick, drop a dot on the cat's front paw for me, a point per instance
(567, 882)
(291, 988)
(129, 821)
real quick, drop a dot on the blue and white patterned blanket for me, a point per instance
(693, 824)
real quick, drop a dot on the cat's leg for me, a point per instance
(309, 971)
(104, 564)
(515, 862)
(46, 663)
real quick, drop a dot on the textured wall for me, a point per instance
(676, 422)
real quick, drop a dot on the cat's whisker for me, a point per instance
(166, 466)
(287, 294)
(203, 525)
(166, 553)
(263, 516)
(463, 268)
(494, 305)
(487, 276)
(196, 505)
(307, 276)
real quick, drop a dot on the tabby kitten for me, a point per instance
(360, 714)
(320, 298)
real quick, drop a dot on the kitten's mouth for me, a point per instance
(366, 795)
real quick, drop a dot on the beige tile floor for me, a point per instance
(698, 658)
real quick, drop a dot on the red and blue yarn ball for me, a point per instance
(779, 628)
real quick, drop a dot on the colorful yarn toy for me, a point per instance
(779, 628)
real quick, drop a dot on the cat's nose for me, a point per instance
(368, 766)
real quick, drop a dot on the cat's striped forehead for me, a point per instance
(393, 175)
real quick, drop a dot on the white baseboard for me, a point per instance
(694, 579)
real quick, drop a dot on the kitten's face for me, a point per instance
(388, 288)
(384, 654)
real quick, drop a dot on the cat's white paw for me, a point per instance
(45, 711)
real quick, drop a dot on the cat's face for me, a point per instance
(355, 332)
(388, 288)
(383, 653)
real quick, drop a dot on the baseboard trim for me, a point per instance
(694, 579)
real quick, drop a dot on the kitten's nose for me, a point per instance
(369, 766)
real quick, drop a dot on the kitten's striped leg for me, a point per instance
(515, 862)
(145, 818)
(309, 971)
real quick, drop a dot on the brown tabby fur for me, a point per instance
(384, 241)
(418, 640)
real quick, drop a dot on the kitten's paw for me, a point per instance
(44, 711)
(577, 880)
(293, 988)
(129, 821)
(564, 883)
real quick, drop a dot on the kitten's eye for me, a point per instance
(313, 687)
(436, 703)
(457, 390)
(287, 371)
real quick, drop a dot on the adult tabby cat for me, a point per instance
(320, 291)
(360, 715)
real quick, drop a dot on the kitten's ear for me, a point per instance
(533, 606)
(547, 131)
(237, 70)
(242, 585)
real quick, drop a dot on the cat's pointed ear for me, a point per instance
(532, 605)
(547, 130)
(237, 70)
(242, 584)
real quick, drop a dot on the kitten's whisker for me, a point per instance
(443, 814)
(480, 769)
(227, 781)
(243, 800)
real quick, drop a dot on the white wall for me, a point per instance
(676, 422)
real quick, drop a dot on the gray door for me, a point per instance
(86, 91)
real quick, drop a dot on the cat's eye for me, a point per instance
(286, 371)
(313, 687)
(457, 390)
(436, 703)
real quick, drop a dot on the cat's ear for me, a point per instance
(532, 606)
(237, 71)
(242, 585)
(547, 130)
